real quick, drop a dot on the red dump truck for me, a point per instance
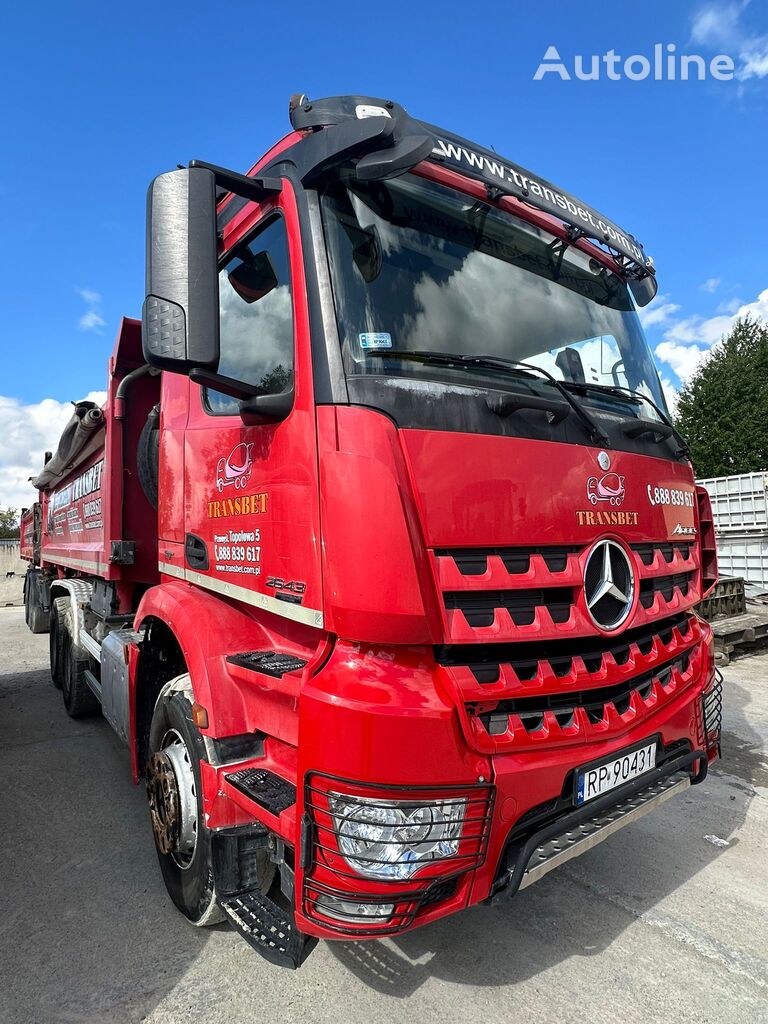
(382, 555)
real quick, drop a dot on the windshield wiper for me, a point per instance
(529, 369)
(663, 430)
(511, 366)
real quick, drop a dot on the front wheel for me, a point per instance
(182, 841)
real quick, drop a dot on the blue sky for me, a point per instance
(97, 99)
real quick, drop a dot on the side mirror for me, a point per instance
(644, 290)
(254, 278)
(180, 316)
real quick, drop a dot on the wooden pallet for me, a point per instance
(740, 633)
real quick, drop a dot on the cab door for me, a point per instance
(251, 491)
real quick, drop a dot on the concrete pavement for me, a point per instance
(666, 921)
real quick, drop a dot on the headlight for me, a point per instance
(392, 839)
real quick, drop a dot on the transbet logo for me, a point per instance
(235, 471)
(608, 488)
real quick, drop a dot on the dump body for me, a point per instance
(96, 518)
(27, 534)
(423, 610)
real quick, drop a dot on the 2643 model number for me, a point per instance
(667, 496)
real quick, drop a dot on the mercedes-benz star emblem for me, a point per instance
(609, 584)
(604, 460)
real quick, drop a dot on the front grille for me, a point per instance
(500, 594)
(524, 696)
(594, 702)
(664, 585)
(529, 660)
(647, 552)
(471, 562)
(480, 609)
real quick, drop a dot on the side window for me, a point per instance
(256, 316)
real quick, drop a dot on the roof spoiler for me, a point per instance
(390, 142)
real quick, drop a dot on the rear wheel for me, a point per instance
(79, 699)
(56, 639)
(182, 841)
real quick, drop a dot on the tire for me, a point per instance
(79, 699)
(148, 456)
(188, 876)
(56, 639)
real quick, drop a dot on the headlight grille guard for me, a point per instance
(327, 872)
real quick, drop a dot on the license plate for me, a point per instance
(597, 779)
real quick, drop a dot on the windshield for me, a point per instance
(417, 267)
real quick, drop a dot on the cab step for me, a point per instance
(270, 791)
(268, 928)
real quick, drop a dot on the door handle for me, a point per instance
(195, 552)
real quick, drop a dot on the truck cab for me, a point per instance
(395, 576)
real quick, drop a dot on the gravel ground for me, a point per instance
(664, 922)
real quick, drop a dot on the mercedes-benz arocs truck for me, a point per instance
(382, 555)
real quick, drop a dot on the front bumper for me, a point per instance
(383, 717)
(416, 744)
(527, 859)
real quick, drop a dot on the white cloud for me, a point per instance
(720, 26)
(711, 284)
(683, 359)
(729, 306)
(687, 342)
(91, 320)
(28, 431)
(698, 330)
(658, 312)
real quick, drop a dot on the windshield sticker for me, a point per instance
(371, 339)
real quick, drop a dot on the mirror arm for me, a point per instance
(267, 408)
(226, 385)
(257, 189)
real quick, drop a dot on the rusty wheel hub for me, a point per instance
(164, 803)
(172, 796)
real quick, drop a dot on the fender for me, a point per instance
(237, 701)
(80, 592)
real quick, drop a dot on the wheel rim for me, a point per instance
(172, 798)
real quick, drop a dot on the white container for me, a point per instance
(744, 555)
(739, 503)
